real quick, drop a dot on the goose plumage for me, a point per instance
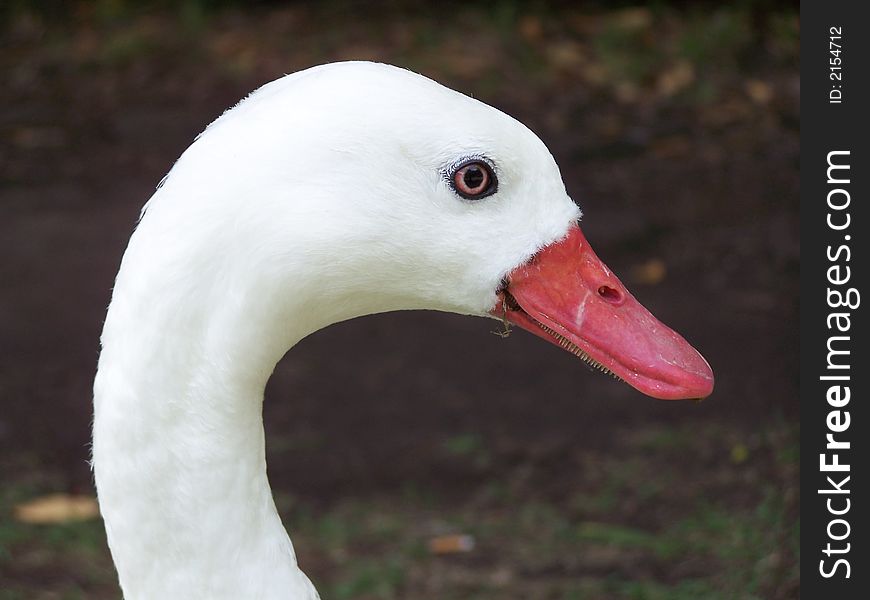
(325, 195)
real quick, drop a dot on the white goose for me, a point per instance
(339, 191)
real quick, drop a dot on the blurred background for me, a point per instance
(486, 467)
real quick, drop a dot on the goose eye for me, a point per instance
(473, 180)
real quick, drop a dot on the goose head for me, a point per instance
(357, 188)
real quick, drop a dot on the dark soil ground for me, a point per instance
(677, 131)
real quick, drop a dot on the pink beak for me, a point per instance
(566, 295)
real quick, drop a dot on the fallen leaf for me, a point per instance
(739, 453)
(57, 508)
(651, 272)
(758, 91)
(530, 28)
(566, 55)
(632, 19)
(671, 147)
(626, 92)
(675, 79)
(451, 544)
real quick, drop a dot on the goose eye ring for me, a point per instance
(473, 179)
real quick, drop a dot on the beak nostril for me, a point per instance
(610, 294)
